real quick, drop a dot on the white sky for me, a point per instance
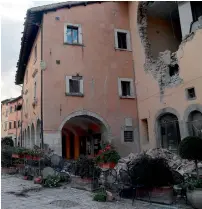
(12, 14)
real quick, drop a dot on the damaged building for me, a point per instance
(128, 73)
(167, 40)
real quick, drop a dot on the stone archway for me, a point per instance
(32, 136)
(167, 129)
(82, 133)
(193, 120)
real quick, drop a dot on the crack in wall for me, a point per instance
(159, 68)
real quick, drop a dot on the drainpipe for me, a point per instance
(21, 115)
(42, 138)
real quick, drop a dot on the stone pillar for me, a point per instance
(54, 140)
(76, 147)
(67, 147)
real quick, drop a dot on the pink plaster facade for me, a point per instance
(174, 100)
(97, 61)
(12, 117)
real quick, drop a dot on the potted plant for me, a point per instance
(152, 178)
(107, 157)
(190, 148)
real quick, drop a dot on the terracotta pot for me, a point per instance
(195, 198)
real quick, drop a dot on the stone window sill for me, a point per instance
(73, 44)
(127, 97)
(74, 94)
(123, 49)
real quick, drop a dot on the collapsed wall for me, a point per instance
(166, 61)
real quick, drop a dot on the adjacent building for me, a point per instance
(11, 119)
(128, 73)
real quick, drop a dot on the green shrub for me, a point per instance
(100, 196)
(52, 181)
(191, 148)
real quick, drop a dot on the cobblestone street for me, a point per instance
(58, 198)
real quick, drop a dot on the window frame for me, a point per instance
(10, 125)
(128, 128)
(128, 39)
(132, 89)
(80, 41)
(67, 84)
(187, 93)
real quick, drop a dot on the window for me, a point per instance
(72, 34)
(122, 42)
(35, 90)
(173, 70)
(10, 125)
(35, 53)
(14, 124)
(15, 108)
(5, 126)
(126, 88)
(128, 136)
(74, 85)
(122, 39)
(191, 93)
(19, 124)
(10, 109)
(145, 130)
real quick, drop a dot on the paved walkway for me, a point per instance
(58, 198)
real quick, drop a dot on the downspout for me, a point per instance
(42, 138)
(21, 115)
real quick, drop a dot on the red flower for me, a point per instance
(100, 152)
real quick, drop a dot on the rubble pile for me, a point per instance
(175, 162)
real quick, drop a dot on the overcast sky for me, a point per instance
(12, 13)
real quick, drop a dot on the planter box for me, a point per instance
(15, 156)
(107, 165)
(85, 184)
(195, 198)
(162, 195)
(11, 170)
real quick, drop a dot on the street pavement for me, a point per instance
(59, 198)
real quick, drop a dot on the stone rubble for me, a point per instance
(174, 160)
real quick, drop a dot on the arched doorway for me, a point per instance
(38, 139)
(83, 134)
(169, 132)
(195, 123)
(32, 135)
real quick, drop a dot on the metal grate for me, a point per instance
(128, 136)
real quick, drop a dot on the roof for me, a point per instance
(11, 100)
(32, 21)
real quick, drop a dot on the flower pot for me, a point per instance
(15, 156)
(195, 198)
(107, 165)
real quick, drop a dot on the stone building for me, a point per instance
(11, 119)
(122, 72)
